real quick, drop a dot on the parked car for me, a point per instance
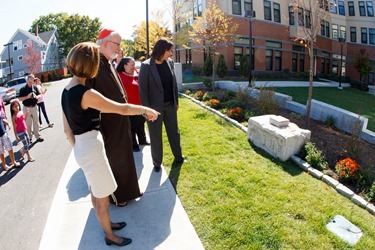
(7, 94)
(16, 84)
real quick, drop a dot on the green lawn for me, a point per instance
(237, 197)
(351, 99)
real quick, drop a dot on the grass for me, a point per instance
(238, 197)
(351, 99)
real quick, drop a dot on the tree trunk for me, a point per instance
(213, 71)
(311, 79)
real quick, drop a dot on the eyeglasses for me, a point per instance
(118, 44)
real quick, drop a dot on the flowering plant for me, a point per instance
(347, 169)
(213, 103)
(199, 95)
(235, 113)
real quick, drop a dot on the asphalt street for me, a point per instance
(26, 193)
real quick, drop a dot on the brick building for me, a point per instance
(348, 28)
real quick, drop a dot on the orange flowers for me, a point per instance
(347, 169)
(235, 113)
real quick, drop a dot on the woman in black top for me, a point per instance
(158, 90)
(81, 117)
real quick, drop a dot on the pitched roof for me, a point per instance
(46, 36)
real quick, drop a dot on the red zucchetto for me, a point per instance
(104, 33)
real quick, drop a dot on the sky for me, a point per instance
(120, 15)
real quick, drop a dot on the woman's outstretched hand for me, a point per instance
(151, 114)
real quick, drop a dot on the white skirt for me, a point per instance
(90, 155)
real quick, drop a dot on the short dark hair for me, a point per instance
(83, 60)
(160, 47)
(124, 61)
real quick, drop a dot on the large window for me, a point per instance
(197, 8)
(278, 61)
(269, 55)
(334, 6)
(351, 8)
(342, 32)
(291, 15)
(341, 8)
(298, 58)
(236, 7)
(370, 8)
(301, 18)
(371, 32)
(237, 57)
(267, 10)
(273, 48)
(308, 19)
(362, 10)
(353, 34)
(248, 5)
(364, 35)
(335, 31)
(325, 61)
(328, 34)
(276, 13)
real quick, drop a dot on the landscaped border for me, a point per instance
(340, 188)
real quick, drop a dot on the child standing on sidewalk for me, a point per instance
(20, 129)
(6, 144)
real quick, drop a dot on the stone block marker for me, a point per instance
(281, 141)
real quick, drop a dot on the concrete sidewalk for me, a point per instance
(157, 220)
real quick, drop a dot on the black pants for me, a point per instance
(137, 123)
(43, 108)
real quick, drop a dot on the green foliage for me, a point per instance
(228, 95)
(49, 77)
(244, 65)
(314, 157)
(83, 28)
(330, 121)
(208, 83)
(222, 68)
(209, 95)
(233, 104)
(42, 78)
(55, 76)
(371, 194)
(243, 94)
(207, 66)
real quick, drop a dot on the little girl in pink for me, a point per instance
(20, 129)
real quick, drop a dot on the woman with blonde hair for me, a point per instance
(81, 116)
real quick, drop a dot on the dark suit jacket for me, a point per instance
(150, 86)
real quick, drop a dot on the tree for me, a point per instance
(181, 18)
(363, 65)
(129, 48)
(32, 58)
(310, 14)
(244, 66)
(71, 29)
(155, 33)
(212, 30)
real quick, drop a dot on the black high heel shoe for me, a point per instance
(125, 241)
(120, 225)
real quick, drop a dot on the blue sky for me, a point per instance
(120, 15)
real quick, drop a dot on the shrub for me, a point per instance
(213, 103)
(347, 170)
(186, 91)
(243, 94)
(244, 66)
(207, 66)
(371, 194)
(198, 95)
(232, 104)
(208, 83)
(222, 68)
(210, 95)
(330, 121)
(314, 157)
(228, 95)
(267, 102)
(235, 113)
